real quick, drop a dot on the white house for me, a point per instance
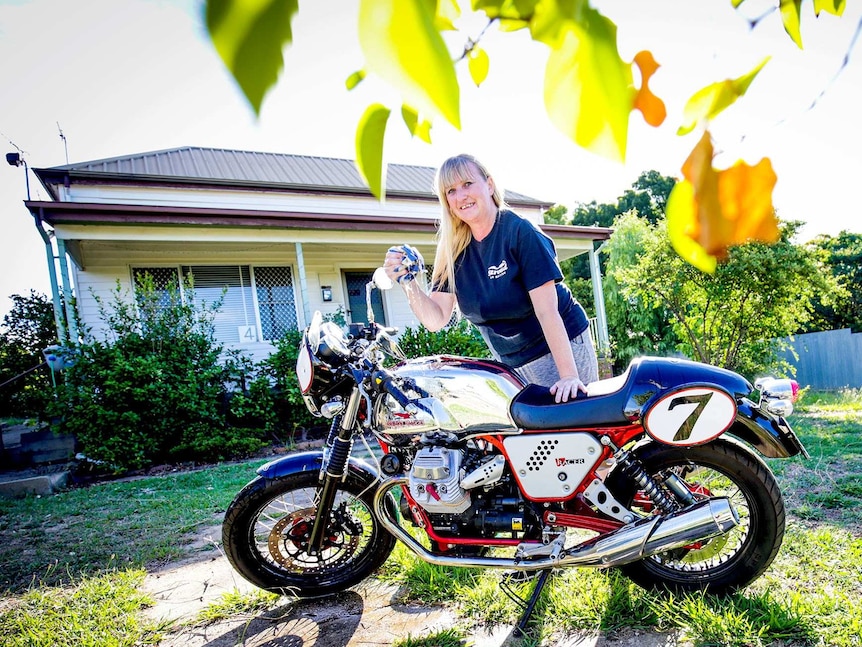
(285, 235)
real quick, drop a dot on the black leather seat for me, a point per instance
(534, 408)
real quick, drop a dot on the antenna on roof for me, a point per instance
(65, 145)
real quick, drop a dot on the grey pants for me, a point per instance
(543, 370)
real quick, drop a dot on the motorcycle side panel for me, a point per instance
(465, 396)
(551, 466)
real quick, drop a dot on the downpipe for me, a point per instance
(644, 538)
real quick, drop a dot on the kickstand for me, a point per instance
(529, 605)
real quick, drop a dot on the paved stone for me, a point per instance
(369, 615)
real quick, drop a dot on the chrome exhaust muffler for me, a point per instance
(646, 537)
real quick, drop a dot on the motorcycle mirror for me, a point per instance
(380, 279)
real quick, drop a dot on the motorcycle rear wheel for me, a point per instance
(266, 528)
(725, 563)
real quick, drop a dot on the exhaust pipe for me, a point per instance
(699, 522)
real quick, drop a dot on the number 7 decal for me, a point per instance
(690, 415)
(684, 432)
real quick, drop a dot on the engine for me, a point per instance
(468, 492)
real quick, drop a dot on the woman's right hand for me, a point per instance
(393, 264)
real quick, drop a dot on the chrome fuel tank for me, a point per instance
(462, 395)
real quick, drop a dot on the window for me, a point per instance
(256, 303)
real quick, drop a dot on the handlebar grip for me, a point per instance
(385, 381)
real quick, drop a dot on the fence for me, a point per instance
(828, 360)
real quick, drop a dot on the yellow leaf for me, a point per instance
(588, 88)
(354, 79)
(790, 11)
(448, 12)
(681, 220)
(249, 37)
(651, 107)
(835, 7)
(369, 147)
(478, 63)
(710, 101)
(402, 45)
(420, 128)
(710, 211)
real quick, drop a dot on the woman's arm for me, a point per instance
(544, 299)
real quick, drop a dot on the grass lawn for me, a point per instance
(71, 564)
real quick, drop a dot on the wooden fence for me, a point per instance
(828, 360)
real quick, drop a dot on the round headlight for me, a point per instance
(304, 367)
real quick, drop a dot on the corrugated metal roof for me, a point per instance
(192, 163)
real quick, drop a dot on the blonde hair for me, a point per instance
(453, 234)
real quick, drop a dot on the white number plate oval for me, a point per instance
(690, 416)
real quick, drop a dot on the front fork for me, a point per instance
(336, 456)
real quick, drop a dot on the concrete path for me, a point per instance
(368, 615)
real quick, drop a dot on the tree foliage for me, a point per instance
(27, 329)
(154, 390)
(734, 317)
(589, 93)
(636, 326)
(647, 197)
(843, 256)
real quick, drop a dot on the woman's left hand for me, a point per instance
(567, 388)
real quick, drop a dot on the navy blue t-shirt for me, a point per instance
(493, 278)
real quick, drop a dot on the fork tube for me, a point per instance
(333, 472)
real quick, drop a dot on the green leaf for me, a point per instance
(588, 88)
(354, 79)
(402, 45)
(710, 101)
(249, 37)
(478, 63)
(369, 147)
(516, 10)
(420, 128)
(790, 13)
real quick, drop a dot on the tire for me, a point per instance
(725, 563)
(264, 528)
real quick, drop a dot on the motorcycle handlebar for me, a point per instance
(385, 381)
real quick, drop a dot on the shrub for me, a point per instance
(153, 390)
(459, 338)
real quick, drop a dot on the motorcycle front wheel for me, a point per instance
(266, 528)
(724, 563)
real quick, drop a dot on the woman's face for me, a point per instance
(471, 197)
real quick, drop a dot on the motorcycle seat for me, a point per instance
(618, 400)
(535, 408)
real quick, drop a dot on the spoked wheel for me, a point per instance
(726, 562)
(267, 527)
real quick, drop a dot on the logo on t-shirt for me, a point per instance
(496, 271)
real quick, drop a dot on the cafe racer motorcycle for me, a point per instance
(658, 472)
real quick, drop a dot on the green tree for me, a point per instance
(734, 317)
(843, 256)
(647, 196)
(27, 329)
(636, 326)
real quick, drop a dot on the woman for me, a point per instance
(502, 272)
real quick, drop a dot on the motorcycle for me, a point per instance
(661, 466)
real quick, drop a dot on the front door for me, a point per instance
(357, 310)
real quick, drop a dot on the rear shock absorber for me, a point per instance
(632, 468)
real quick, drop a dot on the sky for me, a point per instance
(119, 77)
